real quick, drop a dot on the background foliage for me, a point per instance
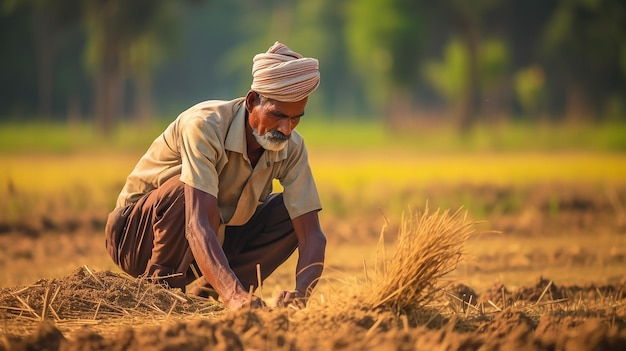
(400, 60)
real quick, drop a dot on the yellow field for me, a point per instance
(523, 168)
(350, 171)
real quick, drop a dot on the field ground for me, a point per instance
(545, 269)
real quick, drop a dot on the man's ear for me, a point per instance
(252, 99)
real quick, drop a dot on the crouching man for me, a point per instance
(200, 199)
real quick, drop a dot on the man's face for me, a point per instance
(273, 121)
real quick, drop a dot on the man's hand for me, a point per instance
(244, 301)
(293, 298)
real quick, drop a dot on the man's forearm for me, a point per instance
(202, 220)
(213, 262)
(310, 265)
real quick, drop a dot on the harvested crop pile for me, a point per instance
(92, 298)
(429, 247)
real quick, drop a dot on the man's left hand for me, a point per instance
(290, 298)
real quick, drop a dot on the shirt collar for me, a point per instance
(236, 137)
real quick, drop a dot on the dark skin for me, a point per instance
(202, 218)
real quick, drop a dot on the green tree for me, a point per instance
(585, 45)
(147, 51)
(468, 17)
(384, 41)
(319, 23)
(51, 22)
(125, 39)
(449, 75)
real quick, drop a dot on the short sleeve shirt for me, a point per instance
(206, 147)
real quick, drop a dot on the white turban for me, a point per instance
(284, 75)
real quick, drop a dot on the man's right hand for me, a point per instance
(244, 301)
(202, 221)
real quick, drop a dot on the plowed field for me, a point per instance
(545, 270)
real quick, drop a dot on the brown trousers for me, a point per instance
(148, 238)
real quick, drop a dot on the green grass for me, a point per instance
(325, 134)
(59, 138)
(504, 137)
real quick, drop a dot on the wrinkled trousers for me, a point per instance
(148, 238)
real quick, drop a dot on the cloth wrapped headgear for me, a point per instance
(284, 75)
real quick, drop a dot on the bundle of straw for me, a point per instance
(429, 247)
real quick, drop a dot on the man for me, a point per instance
(199, 200)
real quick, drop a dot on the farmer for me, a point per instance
(199, 203)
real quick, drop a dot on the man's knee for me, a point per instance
(114, 230)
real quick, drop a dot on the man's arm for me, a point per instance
(311, 251)
(202, 220)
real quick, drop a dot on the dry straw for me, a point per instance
(100, 299)
(429, 247)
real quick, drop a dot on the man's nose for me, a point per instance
(285, 126)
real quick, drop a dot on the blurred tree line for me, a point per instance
(475, 61)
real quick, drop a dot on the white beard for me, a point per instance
(270, 143)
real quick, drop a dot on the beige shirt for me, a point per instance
(206, 147)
